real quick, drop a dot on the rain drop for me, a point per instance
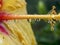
(30, 20)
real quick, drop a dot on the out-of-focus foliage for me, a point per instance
(43, 33)
(41, 7)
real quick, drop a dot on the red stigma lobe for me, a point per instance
(3, 30)
(1, 4)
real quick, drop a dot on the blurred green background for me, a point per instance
(43, 33)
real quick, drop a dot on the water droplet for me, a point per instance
(52, 25)
(37, 19)
(52, 28)
(30, 20)
(49, 21)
